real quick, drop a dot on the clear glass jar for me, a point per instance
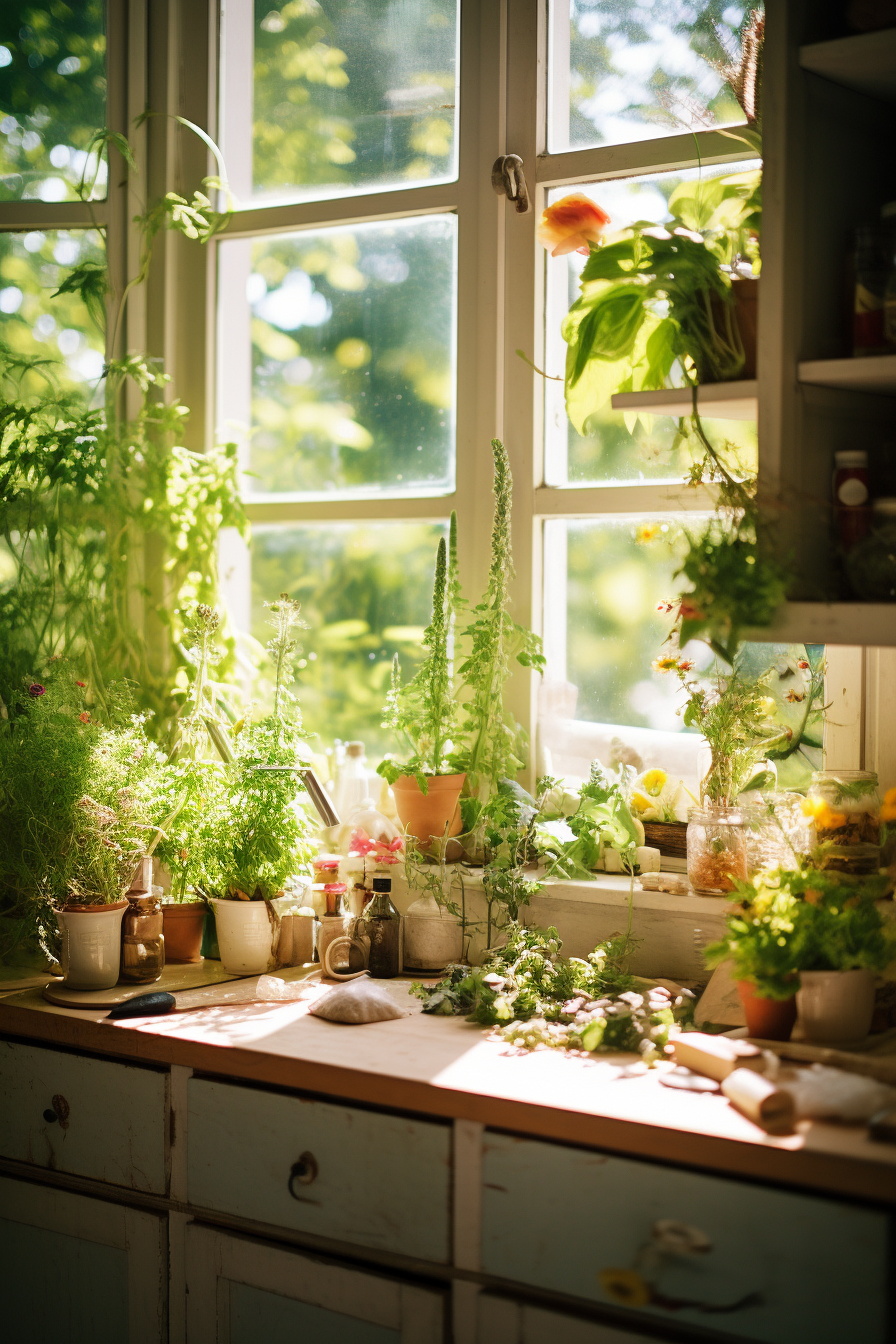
(844, 809)
(717, 849)
(142, 940)
(778, 832)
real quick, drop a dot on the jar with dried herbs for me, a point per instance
(844, 809)
(717, 849)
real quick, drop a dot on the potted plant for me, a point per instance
(424, 714)
(263, 834)
(74, 820)
(811, 940)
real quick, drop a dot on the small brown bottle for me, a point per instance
(381, 923)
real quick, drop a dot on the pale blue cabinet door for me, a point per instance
(777, 1267)
(61, 1289)
(258, 1315)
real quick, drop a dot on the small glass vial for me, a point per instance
(142, 940)
(844, 808)
(717, 849)
(381, 923)
(851, 497)
(332, 923)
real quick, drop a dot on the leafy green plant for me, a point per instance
(803, 919)
(494, 741)
(600, 816)
(263, 834)
(425, 712)
(77, 803)
(538, 997)
(84, 492)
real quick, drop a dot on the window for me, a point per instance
(373, 293)
(52, 101)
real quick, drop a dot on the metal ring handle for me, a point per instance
(302, 1172)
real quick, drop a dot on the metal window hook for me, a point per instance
(509, 179)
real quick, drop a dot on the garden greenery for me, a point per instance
(804, 919)
(87, 492)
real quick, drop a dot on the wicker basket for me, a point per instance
(669, 837)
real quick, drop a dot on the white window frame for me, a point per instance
(501, 308)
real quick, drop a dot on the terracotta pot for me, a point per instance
(769, 1019)
(425, 815)
(91, 944)
(836, 1005)
(184, 925)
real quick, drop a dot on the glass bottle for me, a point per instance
(332, 922)
(851, 497)
(142, 940)
(717, 849)
(844, 808)
(871, 564)
(381, 923)
(871, 268)
(354, 785)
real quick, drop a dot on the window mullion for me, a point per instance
(523, 323)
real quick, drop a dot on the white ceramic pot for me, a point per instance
(835, 1005)
(433, 938)
(91, 944)
(246, 935)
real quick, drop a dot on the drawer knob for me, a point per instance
(302, 1172)
(59, 1110)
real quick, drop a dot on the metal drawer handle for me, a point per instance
(302, 1172)
(60, 1111)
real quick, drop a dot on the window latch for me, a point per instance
(508, 179)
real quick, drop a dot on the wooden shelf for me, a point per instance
(865, 62)
(872, 623)
(868, 373)
(717, 401)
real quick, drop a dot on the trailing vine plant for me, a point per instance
(84, 489)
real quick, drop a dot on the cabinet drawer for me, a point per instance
(107, 1120)
(350, 1175)
(745, 1260)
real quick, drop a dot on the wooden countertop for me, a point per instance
(445, 1068)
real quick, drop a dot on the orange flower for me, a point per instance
(888, 807)
(666, 664)
(85, 717)
(572, 225)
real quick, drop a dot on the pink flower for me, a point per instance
(572, 225)
(35, 690)
(687, 612)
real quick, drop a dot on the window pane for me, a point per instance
(338, 347)
(646, 449)
(602, 633)
(38, 326)
(623, 70)
(323, 99)
(52, 98)
(366, 593)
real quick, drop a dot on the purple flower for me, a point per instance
(35, 690)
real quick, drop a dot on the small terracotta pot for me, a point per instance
(769, 1019)
(425, 815)
(184, 925)
(836, 1005)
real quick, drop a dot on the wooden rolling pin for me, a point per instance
(870, 1066)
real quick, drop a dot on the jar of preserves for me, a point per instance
(717, 849)
(142, 940)
(844, 809)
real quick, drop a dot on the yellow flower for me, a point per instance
(654, 781)
(888, 807)
(641, 803)
(647, 532)
(666, 664)
(625, 1287)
